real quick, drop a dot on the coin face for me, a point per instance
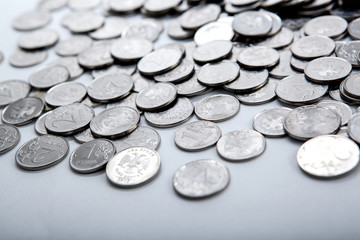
(22, 58)
(125, 6)
(48, 77)
(96, 56)
(330, 26)
(82, 21)
(156, 96)
(9, 137)
(41, 152)
(181, 72)
(40, 124)
(214, 31)
(311, 47)
(217, 74)
(248, 80)
(197, 135)
(31, 20)
(130, 49)
(12, 90)
(258, 57)
(353, 29)
(149, 29)
(354, 128)
(175, 30)
(328, 156)
(199, 15)
(344, 110)
(212, 51)
(349, 51)
(133, 167)
(283, 69)
(241, 145)
(201, 178)
(65, 94)
(252, 23)
(73, 45)
(92, 156)
(71, 64)
(84, 136)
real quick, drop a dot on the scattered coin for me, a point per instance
(149, 29)
(49, 77)
(13, 90)
(191, 87)
(217, 74)
(71, 64)
(279, 40)
(73, 45)
(40, 124)
(214, 31)
(83, 4)
(312, 47)
(128, 69)
(350, 52)
(31, 20)
(128, 101)
(354, 128)
(9, 137)
(212, 51)
(157, 7)
(180, 73)
(65, 93)
(22, 58)
(199, 16)
(156, 96)
(96, 56)
(330, 26)
(248, 80)
(351, 85)
(298, 64)
(51, 5)
(130, 49)
(353, 29)
(252, 23)
(38, 39)
(125, 6)
(344, 111)
(262, 95)
(283, 69)
(82, 21)
(84, 136)
(258, 57)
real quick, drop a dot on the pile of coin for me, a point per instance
(249, 50)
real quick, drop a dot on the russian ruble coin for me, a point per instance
(125, 6)
(242, 144)
(283, 69)
(252, 23)
(214, 31)
(72, 65)
(49, 77)
(215, 177)
(156, 97)
(248, 81)
(350, 52)
(175, 30)
(351, 85)
(330, 26)
(217, 108)
(92, 156)
(311, 47)
(196, 136)
(297, 90)
(258, 57)
(21, 58)
(183, 71)
(344, 96)
(141, 82)
(354, 29)
(51, 5)
(96, 56)
(65, 93)
(13, 90)
(38, 39)
(73, 45)
(298, 64)
(159, 61)
(344, 110)
(149, 29)
(328, 156)
(140, 137)
(82, 21)
(270, 122)
(9, 137)
(115, 122)
(129, 101)
(133, 167)
(198, 16)
(174, 45)
(231, 9)
(130, 49)
(175, 115)
(110, 87)
(260, 96)
(212, 51)
(83, 4)
(84, 136)
(219, 73)
(128, 69)
(41, 95)
(347, 13)
(276, 22)
(354, 128)
(327, 70)
(31, 20)
(311, 121)
(69, 119)
(1, 56)
(191, 87)
(279, 40)
(22, 111)
(90, 103)
(159, 7)
(40, 124)
(41, 152)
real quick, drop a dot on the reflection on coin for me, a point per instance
(9, 137)
(328, 156)
(350, 52)
(269, 122)
(147, 28)
(312, 47)
(130, 49)
(156, 97)
(13, 90)
(83, 4)
(199, 15)
(133, 167)
(48, 77)
(201, 178)
(175, 31)
(213, 31)
(283, 69)
(252, 23)
(125, 6)
(112, 28)
(65, 93)
(96, 56)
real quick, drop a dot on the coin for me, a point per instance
(276, 22)
(82, 21)
(196, 136)
(310, 121)
(217, 74)
(69, 119)
(73, 45)
(199, 16)
(51, 5)
(22, 58)
(279, 40)
(212, 51)
(328, 156)
(156, 96)
(252, 23)
(112, 28)
(213, 31)
(283, 69)
(217, 108)
(22, 111)
(330, 26)
(262, 95)
(83, 4)
(141, 82)
(190, 87)
(130, 49)
(125, 6)
(92, 156)
(350, 52)
(248, 80)
(84, 136)
(181, 72)
(133, 167)
(41, 152)
(96, 56)
(239, 145)
(12, 90)
(351, 85)
(71, 64)
(128, 69)
(175, 30)
(353, 29)
(149, 29)
(48, 77)
(9, 137)
(128, 101)
(298, 64)
(344, 111)
(312, 47)
(258, 57)
(65, 93)
(31, 20)
(38, 39)
(40, 124)
(157, 7)
(201, 178)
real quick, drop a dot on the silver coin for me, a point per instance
(344, 110)
(51, 5)
(82, 21)
(71, 64)
(343, 95)
(270, 122)
(41, 152)
(176, 115)
(92, 156)
(140, 137)
(38, 39)
(130, 49)
(248, 81)
(156, 96)
(175, 30)
(310, 121)
(69, 119)
(110, 87)
(327, 70)
(40, 124)
(157, 7)
(129, 101)
(115, 122)
(241, 145)
(141, 82)
(354, 128)
(279, 40)
(201, 178)
(343, 132)
(330, 26)
(354, 29)
(283, 69)
(212, 51)
(12, 90)
(214, 31)
(258, 57)
(48, 77)
(149, 29)
(196, 136)
(84, 136)
(276, 22)
(312, 47)
(65, 93)
(83, 4)
(181, 72)
(96, 56)
(231, 9)
(351, 85)
(41, 95)
(22, 58)
(128, 69)
(297, 90)
(90, 103)
(31, 20)
(217, 74)
(262, 95)
(175, 45)
(112, 28)
(190, 87)
(73, 45)
(125, 6)
(9, 137)
(133, 167)
(197, 16)
(350, 52)
(240, 3)
(217, 108)
(328, 156)
(298, 64)
(22, 111)
(252, 23)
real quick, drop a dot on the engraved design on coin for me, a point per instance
(9, 137)
(12, 90)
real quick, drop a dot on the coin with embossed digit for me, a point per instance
(258, 57)
(31, 20)
(13, 90)
(262, 95)
(65, 93)
(41, 152)
(217, 108)
(69, 119)
(197, 16)
(270, 122)
(344, 110)
(40, 124)
(156, 96)
(92, 156)
(201, 178)
(38, 39)
(212, 51)
(133, 167)
(328, 156)
(181, 72)
(311, 47)
(130, 49)
(196, 136)
(242, 144)
(9, 137)
(219, 73)
(48, 77)
(73, 45)
(248, 80)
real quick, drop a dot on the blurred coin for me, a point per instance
(212, 51)
(130, 49)
(40, 124)
(96, 56)
(127, 69)
(84, 136)
(330, 26)
(279, 40)
(9, 137)
(65, 93)
(13, 90)
(125, 6)
(248, 80)
(312, 47)
(258, 57)
(112, 28)
(82, 21)
(213, 31)
(175, 30)
(71, 64)
(51, 5)
(38, 39)
(217, 74)
(83, 4)
(48, 77)
(269, 122)
(354, 29)
(149, 29)
(350, 52)
(22, 58)
(73, 45)
(344, 111)
(156, 97)
(197, 16)
(31, 20)
(181, 72)
(252, 23)
(262, 95)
